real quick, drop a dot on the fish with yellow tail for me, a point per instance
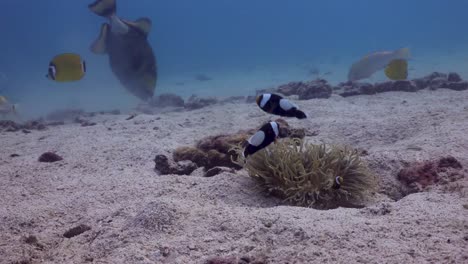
(131, 57)
(66, 67)
(394, 63)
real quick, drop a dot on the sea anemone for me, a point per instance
(320, 176)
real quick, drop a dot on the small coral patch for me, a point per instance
(419, 175)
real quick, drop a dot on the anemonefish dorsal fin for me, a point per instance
(99, 45)
(143, 24)
(105, 8)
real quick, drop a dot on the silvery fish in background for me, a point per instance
(126, 43)
(377, 61)
(6, 107)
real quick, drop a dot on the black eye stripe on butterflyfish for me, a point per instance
(52, 71)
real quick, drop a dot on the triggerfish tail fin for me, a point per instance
(99, 45)
(403, 53)
(104, 8)
(300, 114)
(397, 70)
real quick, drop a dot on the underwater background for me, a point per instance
(241, 46)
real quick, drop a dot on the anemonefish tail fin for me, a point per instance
(403, 53)
(143, 24)
(300, 114)
(99, 45)
(104, 8)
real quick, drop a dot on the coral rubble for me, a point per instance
(49, 157)
(164, 166)
(306, 90)
(420, 175)
(432, 81)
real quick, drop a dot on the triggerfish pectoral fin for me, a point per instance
(143, 24)
(397, 70)
(99, 45)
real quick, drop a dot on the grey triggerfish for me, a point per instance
(365, 67)
(130, 55)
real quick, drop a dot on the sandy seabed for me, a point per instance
(107, 182)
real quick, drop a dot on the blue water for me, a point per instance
(240, 44)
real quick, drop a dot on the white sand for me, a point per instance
(107, 181)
